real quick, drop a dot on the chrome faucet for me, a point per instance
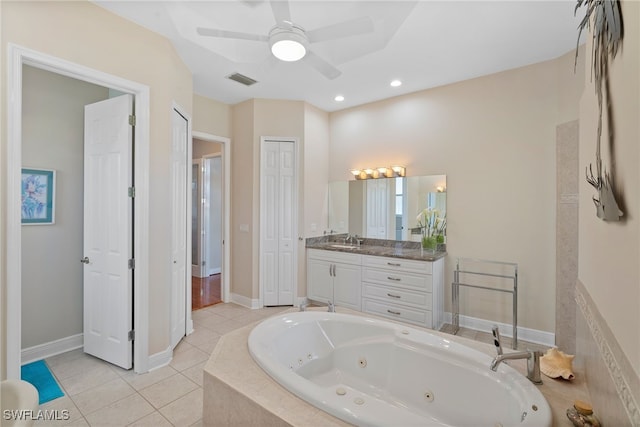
(533, 363)
(496, 339)
(349, 238)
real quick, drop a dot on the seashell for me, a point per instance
(556, 363)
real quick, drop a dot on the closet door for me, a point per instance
(278, 221)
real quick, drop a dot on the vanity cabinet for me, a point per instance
(406, 290)
(335, 277)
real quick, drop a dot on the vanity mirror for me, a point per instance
(385, 208)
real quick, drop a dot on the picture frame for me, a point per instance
(38, 191)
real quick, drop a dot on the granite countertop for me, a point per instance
(231, 363)
(388, 248)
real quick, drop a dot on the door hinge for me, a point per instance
(132, 120)
(131, 335)
(132, 264)
(132, 192)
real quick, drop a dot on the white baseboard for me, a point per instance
(42, 351)
(245, 301)
(506, 329)
(163, 358)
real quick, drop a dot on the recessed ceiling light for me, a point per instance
(339, 98)
(395, 83)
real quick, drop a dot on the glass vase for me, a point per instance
(429, 244)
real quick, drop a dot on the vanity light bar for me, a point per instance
(382, 172)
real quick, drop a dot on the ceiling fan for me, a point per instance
(290, 42)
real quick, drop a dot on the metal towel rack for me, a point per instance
(455, 288)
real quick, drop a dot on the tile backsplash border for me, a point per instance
(620, 370)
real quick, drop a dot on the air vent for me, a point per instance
(237, 77)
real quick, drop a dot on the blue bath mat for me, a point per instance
(38, 374)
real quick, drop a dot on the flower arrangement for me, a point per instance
(432, 227)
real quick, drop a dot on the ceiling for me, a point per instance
(423, 43)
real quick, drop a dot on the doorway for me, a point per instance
(17, 57)
(210, 213)
(206, 223)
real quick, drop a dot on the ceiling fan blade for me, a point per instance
(251, 3)
(323, 67)
(212, 32)
(349, 28)
(281, 11)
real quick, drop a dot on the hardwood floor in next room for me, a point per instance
(205, 291)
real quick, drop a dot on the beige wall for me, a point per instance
(204, 148)
(250, 121)
(314, 184)
(53, 138)
(494, 138)
(88, 35)
(609, 251)
(211, 116)
(242, 204)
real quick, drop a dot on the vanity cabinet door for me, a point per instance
(319, 280)
(347, 286)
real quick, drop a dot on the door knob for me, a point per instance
(85, 260)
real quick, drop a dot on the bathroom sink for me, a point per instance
(344, 246)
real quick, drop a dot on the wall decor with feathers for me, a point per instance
(604, 19)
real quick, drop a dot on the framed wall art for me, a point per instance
(38, 196)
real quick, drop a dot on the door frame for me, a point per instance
(226, 214)
(17, 57)
(296, 148)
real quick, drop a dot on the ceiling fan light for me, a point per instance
(288, 50)
(288, 44)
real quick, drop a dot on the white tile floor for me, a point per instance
(100, 394)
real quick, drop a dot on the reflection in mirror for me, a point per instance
(385, 208)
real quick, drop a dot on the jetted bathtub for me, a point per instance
(371, 372)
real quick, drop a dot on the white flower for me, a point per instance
(430, 222)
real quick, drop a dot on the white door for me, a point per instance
(377, 208)
(107, 279)
(178, 262)
(278, 222)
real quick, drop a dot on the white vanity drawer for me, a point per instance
(399, 264)
(335, 256)
(397, 278)
(405, 314)
(421, 300)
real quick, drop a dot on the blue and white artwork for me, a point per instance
(37, 194)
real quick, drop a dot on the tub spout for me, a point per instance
(533, 363)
